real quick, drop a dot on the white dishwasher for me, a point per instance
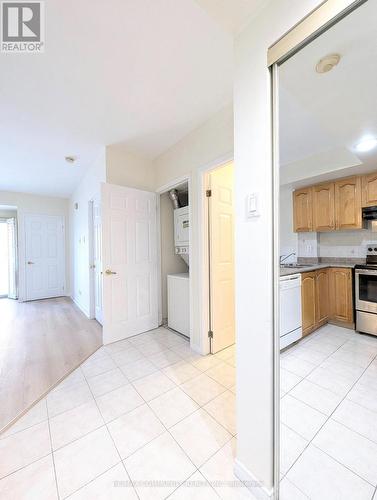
(290, 309)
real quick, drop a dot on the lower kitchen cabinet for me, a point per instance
(326, 296)
(308, 300)
(341, 302)
(322, 297)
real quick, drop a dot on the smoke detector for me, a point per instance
(70, 159)
(327, 63)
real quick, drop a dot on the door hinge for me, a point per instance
(210, 334)
(208, 193)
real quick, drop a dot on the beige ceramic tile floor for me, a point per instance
(144, 409)
(329, 417)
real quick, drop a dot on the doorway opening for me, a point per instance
(8, 253)
(175, 258)
(219, 256)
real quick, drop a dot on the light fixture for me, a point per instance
(70, 159)
(327, 63)
(366, 144)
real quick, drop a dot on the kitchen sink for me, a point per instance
(296, 266)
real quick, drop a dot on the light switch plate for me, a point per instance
(252, 206)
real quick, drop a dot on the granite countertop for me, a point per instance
(286, 271)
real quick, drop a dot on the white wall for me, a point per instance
(88, 188)
(288, 239)
(34, 204)
(128, 169)
(170, 262)
(254, 283)
(205, 145)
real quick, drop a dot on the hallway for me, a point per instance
(40, 342)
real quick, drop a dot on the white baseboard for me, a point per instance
(252, 483)
(81, 307)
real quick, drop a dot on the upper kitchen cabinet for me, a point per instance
(303, 210)
(324, 207)
(348, 203)
(369, 190)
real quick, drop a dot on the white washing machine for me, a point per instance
(179, 303)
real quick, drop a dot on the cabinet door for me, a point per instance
(348, 203)
(303, 210)
(341, 295)
(324, 207)
(322, 297)
(308, 296)
(369, 190)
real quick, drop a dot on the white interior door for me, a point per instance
(129, 251)
(97, 260)
(44, 256)
(221, 247)
(12, 258)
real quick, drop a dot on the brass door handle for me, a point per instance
(109, 271)
(30, 262)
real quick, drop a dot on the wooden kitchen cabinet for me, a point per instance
(308, 302)
(369, 190)
(341, 299)
(348, 203)
(322, 297)
(323, 199)
(303, 210)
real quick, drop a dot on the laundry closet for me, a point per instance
(175, 259)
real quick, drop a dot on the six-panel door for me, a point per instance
(129, 253)
(44, 256)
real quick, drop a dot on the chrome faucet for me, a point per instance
(283, 258)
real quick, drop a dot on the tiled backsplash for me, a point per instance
(343, 244)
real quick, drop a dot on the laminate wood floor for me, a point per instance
(40, 342)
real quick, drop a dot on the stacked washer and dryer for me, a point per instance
(179, 284)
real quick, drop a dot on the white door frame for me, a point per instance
(92, 305)
(22, 284)
(161, 190)
(203, 267)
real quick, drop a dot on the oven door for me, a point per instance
(366, 290)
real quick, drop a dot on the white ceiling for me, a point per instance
(140, 72)
(232, 15)
(327, 114)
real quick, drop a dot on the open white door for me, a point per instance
(129, 262)
(221, 257)
(44, 256)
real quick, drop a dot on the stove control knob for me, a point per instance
(375, 249)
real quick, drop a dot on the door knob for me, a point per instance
(30, 262)
(109, 271)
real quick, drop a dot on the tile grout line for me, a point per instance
(52, 452)
(328, 418)
(106, 423)
(112, 439)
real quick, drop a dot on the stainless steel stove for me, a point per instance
(366, 293)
